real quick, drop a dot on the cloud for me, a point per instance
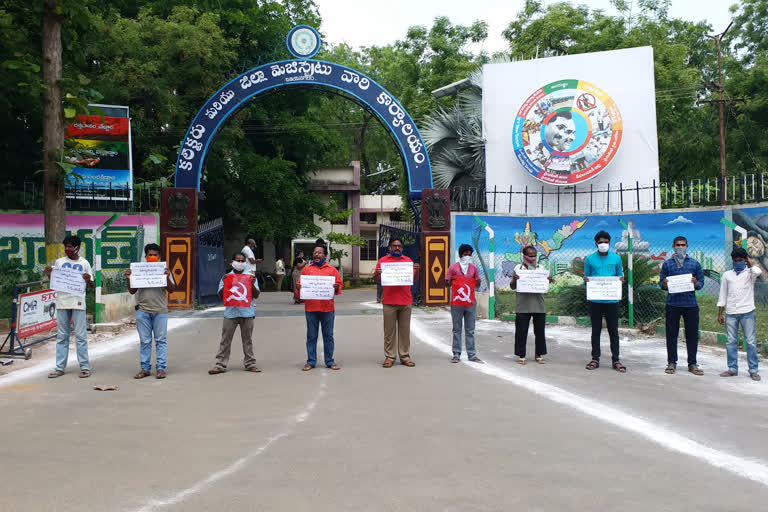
(680, 220)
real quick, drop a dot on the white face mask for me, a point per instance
(603, 247)
(465, 260)
(238, 266)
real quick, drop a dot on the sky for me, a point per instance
(364, 23)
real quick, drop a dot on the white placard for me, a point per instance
(532, 281)
(604, 288)
(680, 283)
(317, 287)
(397, 274)
(67, 280)
(148, 275)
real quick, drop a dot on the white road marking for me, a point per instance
(239, 464)
(110, 347)
(754, 470)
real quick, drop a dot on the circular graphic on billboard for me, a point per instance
(303, 41)
(567, 132)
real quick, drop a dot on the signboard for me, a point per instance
(680, 283)
(317, 287)
(532, 281)
(397, 274)
(36, 313)
(238, 290)
(68, 280)
(103, 148)
(604, 288)
(463, 291)
(148, 275)
(554, 124)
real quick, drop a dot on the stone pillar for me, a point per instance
(435, 245)
(178, 231)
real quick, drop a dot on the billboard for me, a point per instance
(103, 161)
(564, 124)
(36, 313)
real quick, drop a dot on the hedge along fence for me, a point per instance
(562, 244)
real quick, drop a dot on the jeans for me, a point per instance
(609, 310)
(63, 318)
(465, 315)
(522, 320)
(690, 317)
(747, 321)
(147, 324)
(316, 320)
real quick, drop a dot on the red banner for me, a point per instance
(98, 128)
(462, 291)
(238, 290)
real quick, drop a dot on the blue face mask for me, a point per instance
(320, 262)
(739, 266)
(395, 254)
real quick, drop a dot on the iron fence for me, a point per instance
(620, 197)
(30, 195)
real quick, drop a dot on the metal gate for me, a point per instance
(211, 263)
(410, 237)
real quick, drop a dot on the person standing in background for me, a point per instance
(298, 267)
(250, 257)
(279, 273)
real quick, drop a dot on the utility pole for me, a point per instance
(718, 38)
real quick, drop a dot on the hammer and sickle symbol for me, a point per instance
(463, 294)
(237, 295)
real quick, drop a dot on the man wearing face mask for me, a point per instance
(604, 263)
(71, 309)
(396, 303)
(682, 305)
(234, 316)
(152, 318)
(737, 300)
(320, 313)
(529, 306)
(464, 314)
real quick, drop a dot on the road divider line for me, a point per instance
(754, 470)
(242, 462)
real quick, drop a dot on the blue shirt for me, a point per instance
(603, 266)
(237, 311)
(690, 266)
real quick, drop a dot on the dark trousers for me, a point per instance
(690, 317)
(609, 310)
(522, 320)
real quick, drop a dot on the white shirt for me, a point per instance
(250, 268)
(737, 291)
(279, 267)
(68, 300)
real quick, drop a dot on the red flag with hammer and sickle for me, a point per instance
(238, 290)
(462, 291)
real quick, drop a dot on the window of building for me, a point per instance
(369, 251)
(368, 218)
(395, 216)
(340, 198)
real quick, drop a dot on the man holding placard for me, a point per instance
(396, 272)
(69, 277)
(604, 270)
(531, 282)
(318, 285)
(148, 282)
(237, 290)
(681, 275)
(462, 278)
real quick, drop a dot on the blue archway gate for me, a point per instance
(292, 73)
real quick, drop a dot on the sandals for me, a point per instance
(145, 373)
(388, 363)
(521, 361)
(754, 376)
(670, 369)
(619, 367)
(55, 373)
(407, 362)
(216, 370)
(694, 369)
(540, 360)
(160, 374)
(455, 359)
(84, 374)
(729, 373)
(253, 369)
(334, 367)
(307, 368)
(592, 365)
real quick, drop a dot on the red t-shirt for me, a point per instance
(396, 295)
(324, 306)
